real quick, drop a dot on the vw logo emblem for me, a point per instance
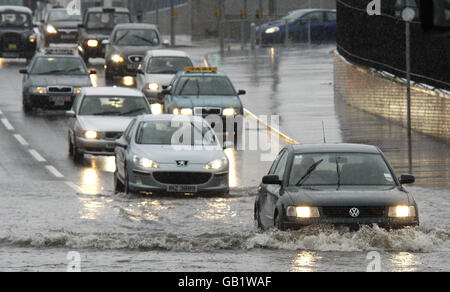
(354, 212)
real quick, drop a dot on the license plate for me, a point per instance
(67, 37)
(12, 46)
(132, 66)
(60, 100)
(10, 55)
(181, 189)
(110, 146)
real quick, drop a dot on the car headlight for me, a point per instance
(272, 30)
(183, 111)
(156, 108)
(128, 80)
(217, 164)
(92, 43)
(402, 211)
(38, 90)
(91, 134)
(145, 162)
(32, 38)
(77, 90)
(116, 58)
(51, 29)
(302, 212)
(229, 112)
(152, 86)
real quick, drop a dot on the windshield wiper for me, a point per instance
(132, 112)
(124, 35)
(144, 39)
(308, 173)
(106, 113)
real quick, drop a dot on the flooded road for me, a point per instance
(45, 217)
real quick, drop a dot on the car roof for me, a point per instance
(135, 26)
(168, 117)
(167, 53)
(22, 9)
(205, 73)
(118, 91)
(100, 9)
(339, 147)
(311, 10)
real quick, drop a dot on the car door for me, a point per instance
(269, 194)
(311, 23)
(330, 26)
(121, 152)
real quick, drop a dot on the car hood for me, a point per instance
(66, 24)
(348, 196)
(161, 79)
(60, 80)
(18, 30)
(104, 123)
(133, 50)
(98, 33)
(207, 101)
(169, 154)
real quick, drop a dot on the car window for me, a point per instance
(167, 65)
(281, 166)
(106, 20)
(354, 169)
(128, 131)
(136, 37)
(15, 19)
(175, 133)
(204, 85)
(113, 106)
(59, 65)
(331, 16)
(62, 15)
(314, 17)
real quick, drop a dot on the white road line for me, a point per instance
(74, 187)
(7, 124)
(54, 171)
(21, 140)
(36, 155)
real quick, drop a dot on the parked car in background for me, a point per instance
(17, 36)
(98, 23)
(158, 70)
(317, 25)
(59, 26)
(126, 48)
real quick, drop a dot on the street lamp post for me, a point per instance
(408, 15)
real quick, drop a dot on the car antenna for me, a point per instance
(323, 130)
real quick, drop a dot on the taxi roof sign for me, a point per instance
(200, 69)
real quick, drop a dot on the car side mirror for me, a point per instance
(271, 180)
(92, 72)
(121, 143)
(407, 179)
(140, 71)
(23, 71)
(241, 92)
(166, 43)
(70, 114)
(106, 42)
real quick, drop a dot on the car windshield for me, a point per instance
(204, 85)
(13, 2)
(58, 65)
(175, 133)
(168, 65)
(106, 20)
(63, 15)
(293, 15)
(15, 19)
(113, 106)
(341, 169)
(136, 37)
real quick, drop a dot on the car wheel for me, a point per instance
(77, 156)
(70, 146)
(278, 224)
(126, 182)
(86, 59)
(257, 219)
(118, 185)
(27, 108)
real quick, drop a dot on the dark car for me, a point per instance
(53, 79)
(317, 25)
(127, 47)
(98, 23)
(60, 26)
(339, 184)
(17, 37)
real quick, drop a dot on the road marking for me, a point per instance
(54, 171)
(74, 187)
(21, 140)
(7, 124)
(36, 155)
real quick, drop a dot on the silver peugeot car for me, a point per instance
(170, 154)
(99, 116)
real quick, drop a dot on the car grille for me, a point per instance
(364, 212)
(207, 111)
(182, 178)
(136, 59)
(113, 135)
(56, 89)
(11, 39)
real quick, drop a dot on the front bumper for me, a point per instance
(51, 101)
(122, 69)
(384, 222)
(96, 147)
(92, 52)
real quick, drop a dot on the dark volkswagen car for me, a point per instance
(322, 23)
(339, 184)
(59, 26)
(127, 47)
(53, 79)
(98, 23)
(17, 38)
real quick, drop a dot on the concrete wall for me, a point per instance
(385, 96)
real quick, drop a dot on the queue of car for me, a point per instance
(177, 150)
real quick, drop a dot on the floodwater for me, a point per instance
(43, 219)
